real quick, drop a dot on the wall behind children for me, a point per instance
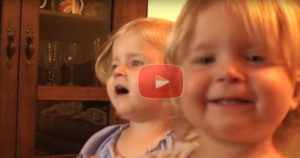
(165, 9)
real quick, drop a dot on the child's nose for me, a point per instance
(231, 72)
(119, 71)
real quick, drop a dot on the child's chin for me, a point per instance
(239, 135)
(124, 113)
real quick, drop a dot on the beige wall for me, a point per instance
(166, 9)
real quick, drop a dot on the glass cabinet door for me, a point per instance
(71, 34)
(72, 105)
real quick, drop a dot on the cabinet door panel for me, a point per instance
(9, 76)
(29, 39)
(72, 105)
(62, 127)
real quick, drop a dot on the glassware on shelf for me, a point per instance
(70, 6)
(43, 4)
(51, 61)
(48, 5)
(71, 60)
(64, 6)
(94, 8)
(97, 49)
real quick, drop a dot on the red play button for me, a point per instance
(160, 81)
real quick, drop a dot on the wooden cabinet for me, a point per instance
(27, 32)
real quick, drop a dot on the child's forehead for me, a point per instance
(133, 43)
(130, 54)
(216, 18)
(256, 17)
(143, 53)
(127, 42)
(215, 23)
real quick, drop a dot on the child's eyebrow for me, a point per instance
(114, 58)
(133, 54)
(203, 46)
(128, 56)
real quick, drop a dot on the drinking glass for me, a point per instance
(52, 61)
(97, 49)
(71, 59)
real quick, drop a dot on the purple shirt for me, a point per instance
(101, 144)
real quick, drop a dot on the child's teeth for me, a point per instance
(224, 102)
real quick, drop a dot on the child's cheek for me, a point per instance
(193, 92)
(110, 88)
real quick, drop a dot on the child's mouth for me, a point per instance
(120, 90)
(231, 101)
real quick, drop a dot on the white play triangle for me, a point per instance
(160, 81)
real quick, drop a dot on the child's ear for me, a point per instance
(296, 97)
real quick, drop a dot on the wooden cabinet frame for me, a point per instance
(18, 83)
(9, 79)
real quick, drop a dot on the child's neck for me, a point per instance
(149, 127)
(129, 143)
(212, 148)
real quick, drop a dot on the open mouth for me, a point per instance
(120, 90)
(233, 101)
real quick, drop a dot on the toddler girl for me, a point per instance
(241, 62)
(140, 42)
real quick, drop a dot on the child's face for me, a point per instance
(130, 52)
(233, 91)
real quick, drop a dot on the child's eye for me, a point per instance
(113, 66)
(255, 58)
(204, 60)
(136, 63)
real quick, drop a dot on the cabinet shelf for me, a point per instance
(71, 93)
(70, 27)
(59, 156)
(58, 16)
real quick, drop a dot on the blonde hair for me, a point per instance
(152, 30)
(279, 19)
